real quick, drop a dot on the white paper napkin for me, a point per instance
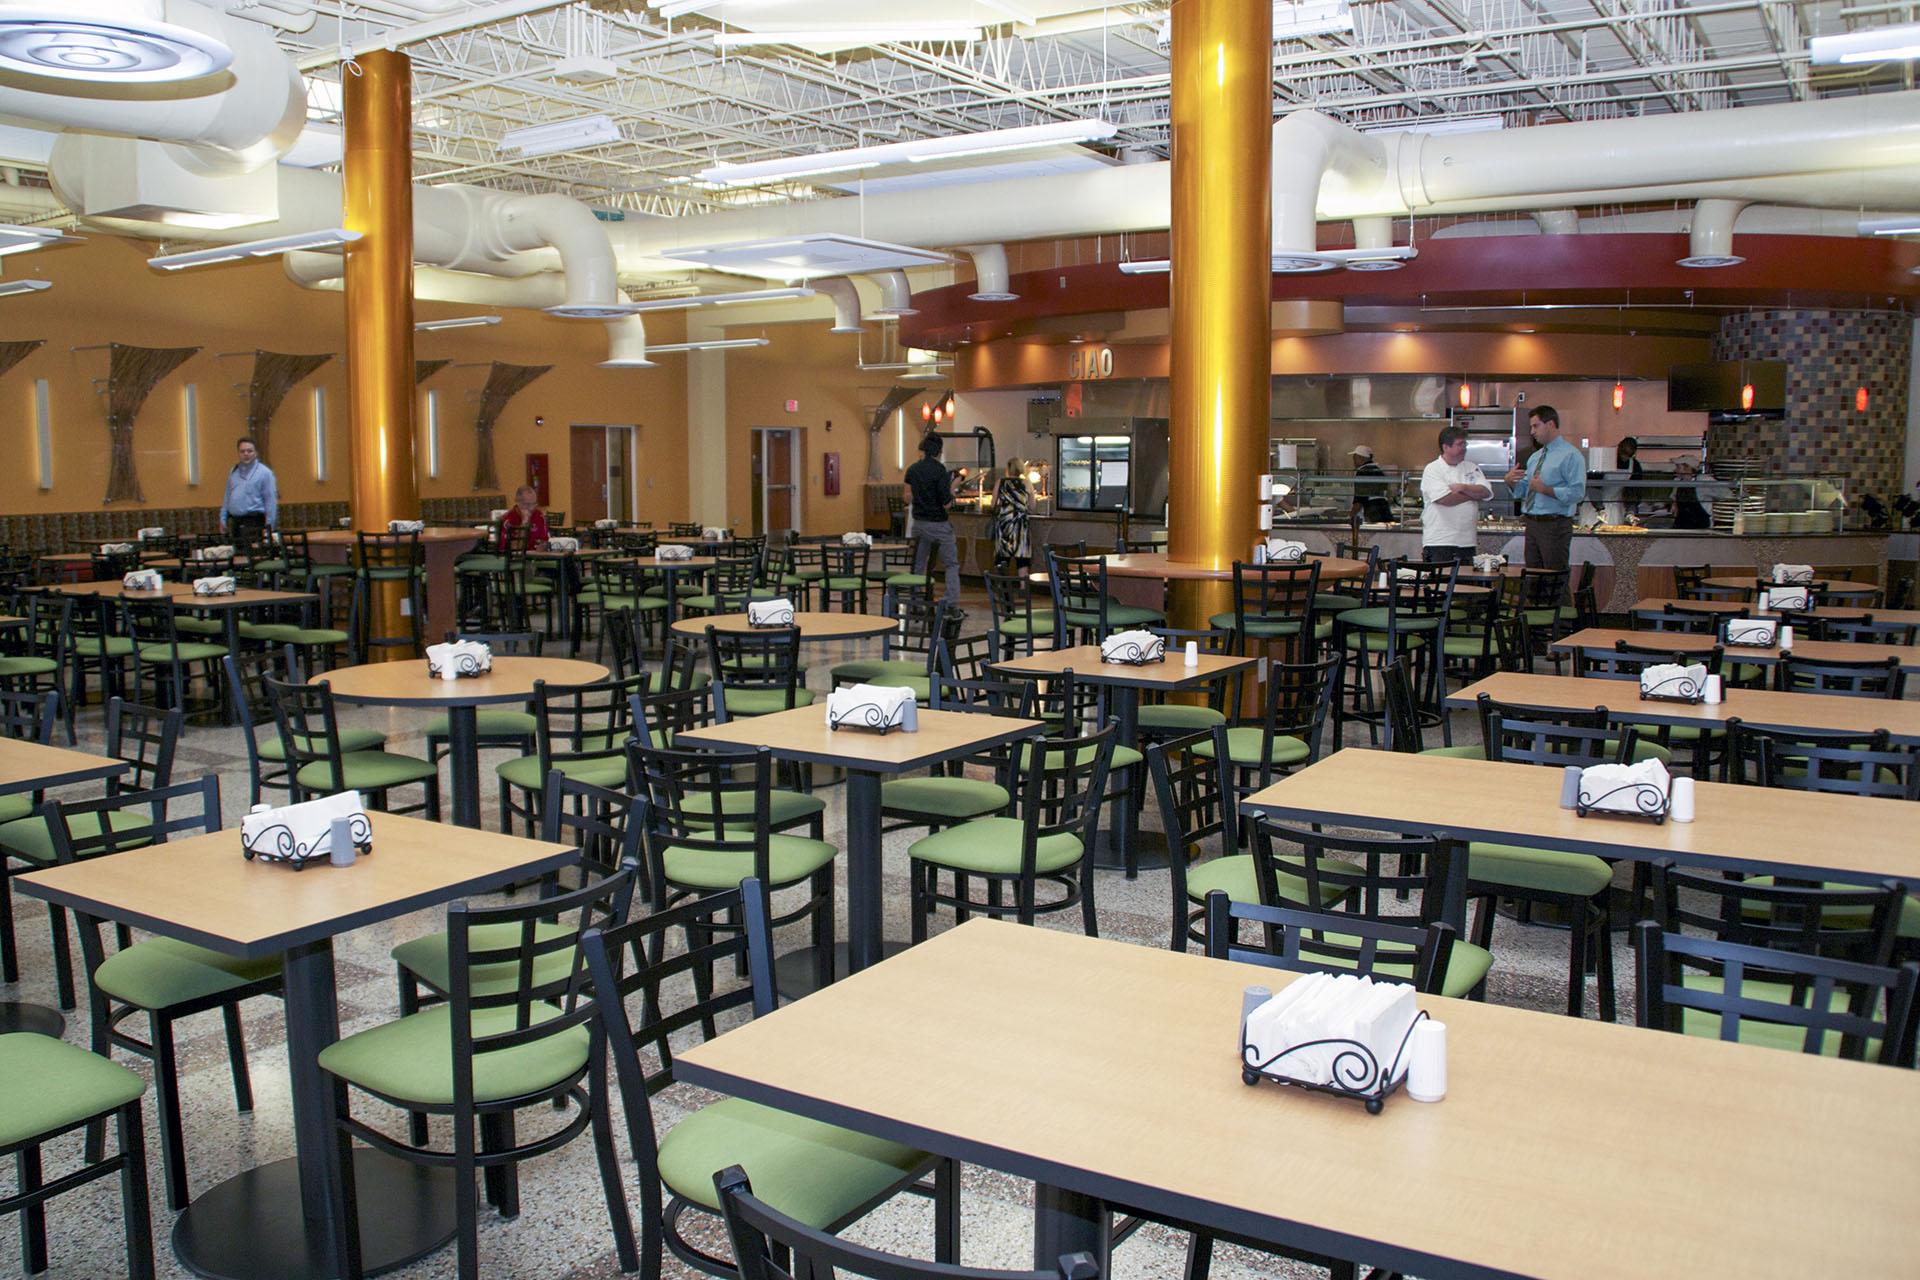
(1786, 598)
(222, 585)
(1133, 646)
(1285, 551)
(1671, 680)
(770, 613)
(1324, 1006)
(406, 526)
(856, 539)
(1623, 788)
(141, 580)
(116, 548)
(714, 533)
(496, 515)
(222, 552)
(463, 658)
(608, 523)
(1489, 563)
(150, 532)
(673, 551)
(872, 706)
(1758, 632)
(299, 832)
(563, 544)
(1793, 575)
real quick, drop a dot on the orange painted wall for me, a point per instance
(103, 291)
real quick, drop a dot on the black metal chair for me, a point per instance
(1290, 733)
(1274, 604)
(1329, 942)
(1852, 764)
(1873, 679)
(380, 560)
(318, 756)
(756, 673)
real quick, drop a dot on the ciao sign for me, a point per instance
(1089, 363)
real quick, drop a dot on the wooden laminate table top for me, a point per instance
(175, 562)
(202, 890)
(584, 553)
(12, 620)
(1761, 708)
(1700, 1157)
(1084, 661)
(350, 537)
(1833, 586)
(1739, 828)
(1686, 642)
(813, 626)
(802, 734)
(181, 594)
(654, 563)
(408, 684)
(1156, 564)
(1655, 604)
(29, 766)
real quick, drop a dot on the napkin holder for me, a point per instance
(346, 522)
(149, 533)
(606, 523)
(714, 533)
(223, 585)
(141, 580)
(1366, 1073)
(856, 539)
(406, 526)
(1133, 648)
(464, 659)
(1486, 563)
(303, 833)
(770, 613)
(1285, 551)
(881, 708)
(563, 544)
(673, 551)
(1611, 790)
(1671, 682)
(1787, 598)
(1750, 633)
(1793, 575)
(116, 548)
(222, 552)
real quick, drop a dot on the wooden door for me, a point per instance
(620, 473)
(780, 482)
(589, 471)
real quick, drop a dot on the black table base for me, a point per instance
(793, 972)
(250, 1226)
(36, 1018)
(1149, 851)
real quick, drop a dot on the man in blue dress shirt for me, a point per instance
(252, 504)
(1555, 481)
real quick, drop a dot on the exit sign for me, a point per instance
(793, 406)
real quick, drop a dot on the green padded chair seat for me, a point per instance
(1848, 917)
(1767, 1035)
(329, 570)
(1233, 875)
(199, 626)
(15, 667)
(1374, 641)
(429, 960)
(1375, 619)
(1042, 625)
(158, 973)
(1179, 717)
(28, 838)
(1119, 617)
(904, 579)
(789, 859)
(657, 681)
(991, 846)
(411, 1059)
(491, 723)
(310, 637)
(843, 584)
(481, 564)
(17, 805)
(1467, 966)
(1244, 747)
(761, 702)
(53, 1085)
(782, 806)
(1335, 602)
(367, 771)
(1458, 646)
(868, 670)
(268, 566)
(1542, 870)
(949, 799)
(400, 574)
(115, 646)
(814, 1173)
(277, 632)
(1258, 625)
(183, 651)
(599, 771)
(350, 740)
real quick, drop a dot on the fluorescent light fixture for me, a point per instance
(1147, 267)
(1905, 225)
(306, 240)
(561, 135)
(190, 420)
(10, 287)
(1858, 48)
(320, 434)
(900, 438)
(43, 431)
(711, 344)
(1294, 21)
(943, 33)
(915, 151)
(680, 8)
(15, 239)
(795, 258)
(456, 322)
(720, 299)
(433, 434)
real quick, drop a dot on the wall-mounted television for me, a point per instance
(1719, 387)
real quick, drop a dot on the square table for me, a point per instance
(1658, 604)
(1127, 682)
(1761, 708)
(1107, 1072)
(277, 1219)
(802, 735)
(1771, 655)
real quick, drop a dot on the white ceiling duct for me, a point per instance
(436, 284)
(846, 303)
(1557, 222)
(1710, 242)
(896, 296)
(627, 344)
(1758, 219)
(990, 281)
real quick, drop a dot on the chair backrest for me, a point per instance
(149, 623)
(296, 550)
(27, 716)
(145, 738)
(1403, 731)
(1320, 870)
(1009, 597)
(1303, 941)
(1062, 784)
(1841, 922)
(765, 659)
(1193, 802)
(388, 551)
(843, 561)
(1299, 696)
(516, 644)
(1417, 594)
(1866, 629)
(1545, 587)
(1276, 592)
(1853, 764)
(247, 673)
(1876, 679)
(1687, 578)
(1704, 986)
(597, 819)
(768, 1245)
(1079, 584)
(585, 723)
(309, 733)
(1625, 661)
(1534, 735)
(713, 803)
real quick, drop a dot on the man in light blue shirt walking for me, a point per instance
(252, 504)
(1555, 482)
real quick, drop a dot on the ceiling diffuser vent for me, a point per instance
(124, 43)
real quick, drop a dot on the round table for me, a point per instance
(1826, 586)
(407, 684)
(813, 626)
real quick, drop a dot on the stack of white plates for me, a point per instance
(1726, 509)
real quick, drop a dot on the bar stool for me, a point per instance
(380, 558)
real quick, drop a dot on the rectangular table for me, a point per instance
(802, 735)
(1761, 708)
(1655, 604)
(1702, 1157)
(1750, 829)
(277, 1219)
(1684, 642)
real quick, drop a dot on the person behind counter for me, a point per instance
(1627, 458)
(1370, 499)
(1556, 481)
(932, 490)
(1011, 504)
(1688, 513)
(1451, 491)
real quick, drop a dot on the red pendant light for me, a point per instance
(1860, 400)
(1619, 396)
(926, 413)
(1746, 397)
(1466, 395)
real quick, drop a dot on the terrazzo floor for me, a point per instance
(561, 1232)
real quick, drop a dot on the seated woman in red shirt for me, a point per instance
(524, 512)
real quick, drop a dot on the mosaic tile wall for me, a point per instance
(1829, 356)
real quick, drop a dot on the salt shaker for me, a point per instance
(1712, 694)
(1427, 1061)
(1570, 787)
(1680, 798)
(342, 850)
(1250, 999)
(1260, 552)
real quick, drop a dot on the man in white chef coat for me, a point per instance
(1451, 491)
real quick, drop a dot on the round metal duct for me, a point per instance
(126, 46)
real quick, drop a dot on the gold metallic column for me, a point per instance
(1222, 281)
(378, 198)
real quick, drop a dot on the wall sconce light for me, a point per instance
(190, 419)
(320, 434)
(1619, 396)
(433, 434)
(43, 431)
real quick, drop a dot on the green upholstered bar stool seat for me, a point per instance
(193, 624)
(880, 670)
(1542, 870)
(24, 666)
(367, 770)
(1119, 616)
(52, 1085)
(1123, 758)
(790, 858)
(95, 646)
(1472, 752)
(1332, 603)
(480, 562)
(1234, 876)
(1042, 625)
(18, 805)
(784, 808)
(813, 1172)
(411, 1059)
(185, 651)
(992, 846)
